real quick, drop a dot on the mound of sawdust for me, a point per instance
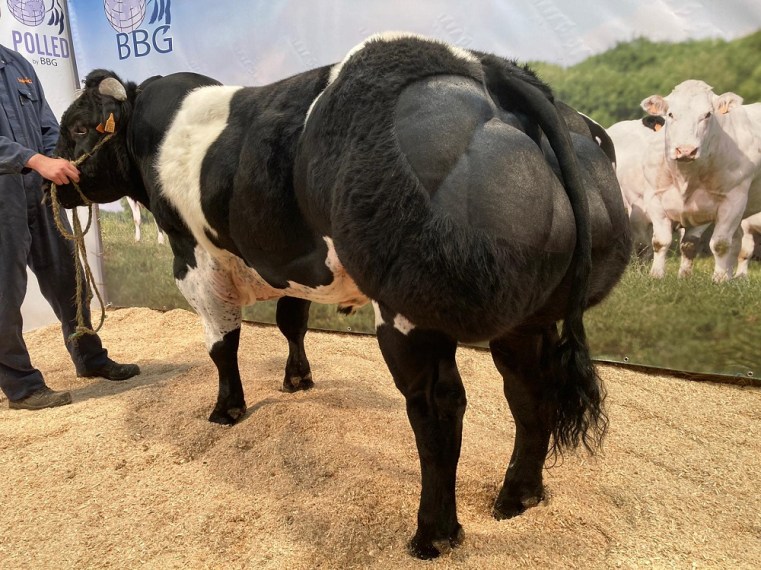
(132, 475)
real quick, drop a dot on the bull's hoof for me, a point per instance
(227, 416)
(428, 549)
(293, 384)
(509, 507)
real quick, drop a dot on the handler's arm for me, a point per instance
(48, 124)
(13, 156)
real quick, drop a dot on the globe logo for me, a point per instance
(28, 12)
(125, 15)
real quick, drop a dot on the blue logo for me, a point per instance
(44, 48)
(135, 36)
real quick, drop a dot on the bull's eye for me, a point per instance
(671, 115)
(707, 115)
(79, 131)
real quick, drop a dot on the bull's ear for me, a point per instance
(655, 105)
(725, 102)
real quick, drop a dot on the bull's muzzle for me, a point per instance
(686, 153)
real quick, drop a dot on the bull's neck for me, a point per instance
(137, 188)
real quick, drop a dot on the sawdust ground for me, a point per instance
(132, 475)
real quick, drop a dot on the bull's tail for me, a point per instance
(576, 391)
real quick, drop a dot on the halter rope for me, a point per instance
(84, 272)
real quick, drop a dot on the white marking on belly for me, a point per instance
(341, 290)
(403, 324)
(379, 322)
(202, 117)
(231, 281)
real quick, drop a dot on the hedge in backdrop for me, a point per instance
(598, 56)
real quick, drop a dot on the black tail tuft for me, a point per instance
(576, 398)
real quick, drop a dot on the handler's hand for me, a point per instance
(57, 170)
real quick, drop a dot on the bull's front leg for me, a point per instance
(662, 235)
(208, 288)
(727, 234)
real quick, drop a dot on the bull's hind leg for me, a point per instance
(424, 369)
(208, 289)
(519, 359)
(292, 318)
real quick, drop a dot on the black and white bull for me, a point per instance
(438, 183)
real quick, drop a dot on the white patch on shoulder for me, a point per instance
(202, 117)
(379, 322)
(403, 324)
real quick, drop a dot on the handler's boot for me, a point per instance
(40, 399)
(112, 371)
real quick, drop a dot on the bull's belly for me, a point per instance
(700, 208)
(232, 280)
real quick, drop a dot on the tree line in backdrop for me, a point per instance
(610, 86)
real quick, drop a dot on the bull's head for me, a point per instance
(103, 108)
(690, 112)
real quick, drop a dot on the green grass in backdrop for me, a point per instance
(683, 324)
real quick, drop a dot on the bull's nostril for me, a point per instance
(685, 153)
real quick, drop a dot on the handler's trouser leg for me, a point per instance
(28, 236)
(52, 261)
(18, 377)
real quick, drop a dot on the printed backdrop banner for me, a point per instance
(602, 57)
(39, 31)
(260, 41)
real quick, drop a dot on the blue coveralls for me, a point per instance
(28, 235)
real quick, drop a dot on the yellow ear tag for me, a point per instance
(110, 124)
(100, 128)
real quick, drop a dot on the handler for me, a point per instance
(28, 236)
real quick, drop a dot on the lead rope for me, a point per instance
(84, 275)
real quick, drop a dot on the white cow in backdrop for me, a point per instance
(136, 217)
(751, 226)
(709, 172)
(639, 147)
